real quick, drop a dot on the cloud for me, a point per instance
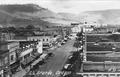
(71, 6)
(77, 6)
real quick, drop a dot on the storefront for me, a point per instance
(39, 47)
(14, 66)
(1, 73)
(46, 46)
(28, 57)
(7, 72)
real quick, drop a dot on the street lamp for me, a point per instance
(23, 47)
(96, 43)
(113, 49)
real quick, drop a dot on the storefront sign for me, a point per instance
(26, 52)
(1, 73)
(40, 47)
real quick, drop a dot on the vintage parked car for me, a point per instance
(50, 54)
(67, 67)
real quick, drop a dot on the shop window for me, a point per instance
(1, 63)
(26, 56)
(33, 39)
(6, 60)
(47, 39)
(12, 57)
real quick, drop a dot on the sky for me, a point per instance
(70, 6)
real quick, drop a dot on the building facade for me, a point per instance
(4, 63)
(11, 55)
(30, 51)
(6, 36)
(46, 40)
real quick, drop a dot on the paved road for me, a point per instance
(54, 64)
(105, 42)
(99, 34)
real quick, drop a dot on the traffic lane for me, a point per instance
(57, 62)
(61, 54)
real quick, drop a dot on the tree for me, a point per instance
(30, 27)
(11, 29)
(77, 44)
(109, 31)
(114, 37)
(79, 39)
(79, 34)
(21, 28)
(118, 30)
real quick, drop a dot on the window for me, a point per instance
(43, 39)
(26, 56)
(6, 60)
(12, 57)
(1, 63)
(47, 39)
(0, 75)
(33, 39)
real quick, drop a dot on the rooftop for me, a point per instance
(3, 53)
(114, 57)
(99, 47)
(6, 42)
(25, 43)
(40, 36)
(109, 67)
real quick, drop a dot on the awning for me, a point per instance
(1, 72)
(34, 55)
(15, 65)
(35, 62)
(39, 59)
(28, 60)
(26, 52)
(43, 56)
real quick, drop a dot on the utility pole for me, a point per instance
(62, 33)
(9, 71)
(84, 49)
(85, 45)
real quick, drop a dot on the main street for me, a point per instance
(56, 63)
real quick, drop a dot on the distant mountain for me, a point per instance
(25, 14)
(6, 19)
(17, 15)
(70, 16)
(111, 16)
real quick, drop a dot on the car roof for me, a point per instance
(66, 66)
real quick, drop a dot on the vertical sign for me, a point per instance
(40, 47)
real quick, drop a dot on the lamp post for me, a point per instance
(113, 49)
(9, 71)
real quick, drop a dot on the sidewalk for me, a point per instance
(21, 73)
(52, 48)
